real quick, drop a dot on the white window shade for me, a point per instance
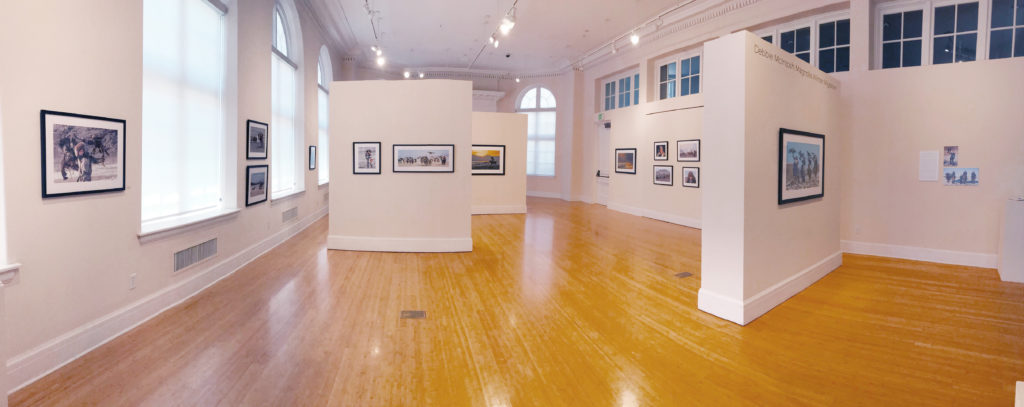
(323, 139)
(283, 154)
(182, 108)
(539, 105)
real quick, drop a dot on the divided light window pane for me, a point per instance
(529, 100)
(1007, 23)
(182, 108)
(834, 46)
(797, 42)
(955, 33)
(902, 36)
(280, 36)
(547, 99)
(636, 89)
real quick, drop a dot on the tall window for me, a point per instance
(834, 46)
(539, 105)
(323, 80)
(1007, 36)
(680, 77)
(183, 133)
(286, 174)
(955, 33)
(902, 38)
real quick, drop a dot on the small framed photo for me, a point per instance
(81, 154)
(366, 157)
(688, 151)
(256, 179)
(625, 160)
(660, 151)
(951, 156)
(691, 177)
(312, 158)
(663, 174)
(488, 160)
(423, 158)
(801, 166)
(257, 139)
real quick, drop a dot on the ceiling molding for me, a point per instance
(332, 21)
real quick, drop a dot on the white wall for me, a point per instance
(78, 252)
(417, 212)
(494, 194)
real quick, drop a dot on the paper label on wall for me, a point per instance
(928, 167)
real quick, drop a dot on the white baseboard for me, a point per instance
(543, 194)
(664, 217)
(401, 245)
(498, 209)
(744, 312)
(37, 362)
(972, 259)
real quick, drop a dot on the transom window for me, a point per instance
(955, 33)
(834, 46)
(538, 103)
(822, 40)
(902, 38)
(1007, 36)
(797, 42)
(948, 31)
(680, 77)
(622, 92)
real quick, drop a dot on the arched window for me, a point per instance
(323, 80)
(286, 96)
(539, 105)
(184, 159)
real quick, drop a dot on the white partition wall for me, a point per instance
(497, 194)
(757, 253)
(400, 212)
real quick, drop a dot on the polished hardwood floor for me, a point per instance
(570, 305)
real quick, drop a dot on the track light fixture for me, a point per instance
(381, 61)
(406, 74)
(634, 38)
(517, 80)
(508, 22)
(421, 75)
(496, 43)
(491, 39)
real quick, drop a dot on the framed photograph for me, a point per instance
(423, 158)
(257, 139)
(312, 158)
(366, 157)
(960, 176)
(663, 173)
(256, 179)
(801, 166)
(625, 160)
(691, 177)
(81, 154)
(488, 160)
(660, 151)
(688, 151)
(951, 156)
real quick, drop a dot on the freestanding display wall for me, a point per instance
(504, 191)
(400, 211)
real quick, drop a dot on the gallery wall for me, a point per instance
(497, 194)
(402, 212)
(78, 253)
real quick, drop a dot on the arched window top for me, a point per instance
(537, 98)
(324, 69)
(280, 31)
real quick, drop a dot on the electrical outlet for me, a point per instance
(131, 281)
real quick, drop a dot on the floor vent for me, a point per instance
(195, 254)
(684, 275)
(290, 214)
(413, 315)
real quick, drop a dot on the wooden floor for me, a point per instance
(571, 305)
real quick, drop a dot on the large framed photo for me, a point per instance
(660, 151)
(257, 139)
(688, 151)
(312, 158)
(488, 160)
(256, 178)
(801, 166)
(81, 154)
(423, 158)
(960, 176)
(691, 177)
(625, 160)
(663, 174)
(366, 157)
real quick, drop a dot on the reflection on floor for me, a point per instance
(570, 305)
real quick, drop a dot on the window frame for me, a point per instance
(927, 28)
(812, 22)
(677, 59)
(1016, 25)
(538, 109)
(609, 96)
(816, 51)
(287, 14)
(618, 95)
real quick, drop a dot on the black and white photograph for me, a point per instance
(488, 160)
(951, 156)
(663, 174)
(801, 166)
(688, 150)
(257, 140)
(660, 151)
(366, 157)
(960, 176)
(423, 158)
(81, 154)
(312, 158)
(256, 178)
(690, 177)
(625, 160)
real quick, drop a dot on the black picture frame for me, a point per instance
(448, 168)
(682, 178)
(355, 161)
(671, 174)
(83, 153)
(500, 171)
(796, 134)
(312, 158)
(664, 145)
(249, 172)
(252, 146)
(615, 161)
(679, 143)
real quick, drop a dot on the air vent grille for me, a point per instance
(195, 254)
(290, 214)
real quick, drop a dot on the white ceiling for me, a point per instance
(549, 34)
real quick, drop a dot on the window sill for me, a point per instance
(163, 228)
(286, 196)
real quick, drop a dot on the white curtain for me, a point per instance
(283, 163)
(323, 140)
